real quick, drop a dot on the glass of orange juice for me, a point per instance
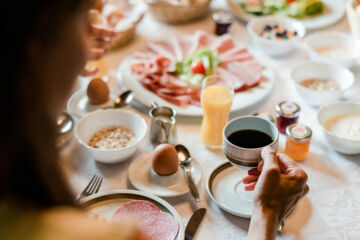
(216, 100)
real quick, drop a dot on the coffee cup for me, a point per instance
(245, 137)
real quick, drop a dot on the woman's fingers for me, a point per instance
(250, 178)
(250, 186)
(102, 33)
(270, 159)
(89, 72)
(285, 162)
(254, 171)
(96, 53)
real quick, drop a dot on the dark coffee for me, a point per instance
(250, 139)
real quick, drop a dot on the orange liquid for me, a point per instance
(297, 150)
(216, 104)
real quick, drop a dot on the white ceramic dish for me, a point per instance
(139, 175)
(275, 47)
(101, 119)
(340, 144)
(78, 104)
(344, 77)
(244, 102)
(335, 10)
(343, 48)
(104, 205)
(224, 186)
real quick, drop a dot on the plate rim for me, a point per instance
(246, 17)
(209, 182)
(88, 201)
(166, 195)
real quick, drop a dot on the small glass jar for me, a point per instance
(287, 113)
(223, 22)
(298, 141)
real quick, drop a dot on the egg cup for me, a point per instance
(165, 180)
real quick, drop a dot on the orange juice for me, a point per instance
(216, 104)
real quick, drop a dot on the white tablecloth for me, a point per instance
(331, 210)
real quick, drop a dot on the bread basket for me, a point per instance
(126, 31)
(178, 12)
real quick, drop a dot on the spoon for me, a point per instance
(123, 100)
(185, 159)
(65, 126)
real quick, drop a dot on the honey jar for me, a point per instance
(298, 141)
(287, 113)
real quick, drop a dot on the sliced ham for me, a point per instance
(156, 66)
(156, 224)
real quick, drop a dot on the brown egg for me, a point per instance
(98, 91)
(165, 161)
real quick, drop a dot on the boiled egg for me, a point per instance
(98, 91)
(165, 160)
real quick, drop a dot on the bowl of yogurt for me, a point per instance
(341, 126)
(333, 47)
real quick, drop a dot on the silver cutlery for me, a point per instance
(185, 159)
(92, 188)
(194, 223)
(122, 100)
(65, 126)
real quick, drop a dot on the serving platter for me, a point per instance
(334, 11)
(245, 100)
(104, 204)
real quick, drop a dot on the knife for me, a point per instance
(194, 223)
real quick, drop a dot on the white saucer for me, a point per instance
(225, 187)
(78, 104)
(139, 174)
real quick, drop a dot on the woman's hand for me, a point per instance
(100, 39)
(278, 185)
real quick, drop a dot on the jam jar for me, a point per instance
(298, 138)
(287, 113)
(223, 21)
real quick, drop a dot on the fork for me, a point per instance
(92, 188)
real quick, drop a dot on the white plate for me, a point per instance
(243, 101)
(225, 187)
(78, 104)
(335, 10)
(139, 176)
(104, 204)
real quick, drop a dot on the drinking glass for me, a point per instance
(216, 100)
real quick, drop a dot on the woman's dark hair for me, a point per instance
(29, 165)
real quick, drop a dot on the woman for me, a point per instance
(45, 46)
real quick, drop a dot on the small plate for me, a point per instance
(104, 204)
(78, 104)
(139, 174)
(225, 187)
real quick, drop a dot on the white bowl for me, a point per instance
(101, 119)
(340, 144)
(333, 40)
(275, 47)
(344, 77)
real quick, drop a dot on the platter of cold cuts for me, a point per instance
(172, 72)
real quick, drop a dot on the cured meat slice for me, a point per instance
(249, 72)
(236, 54)
(223, 44)
(164, 49)
(232, 79)
(155, 223)
(201, 39)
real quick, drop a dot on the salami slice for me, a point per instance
(155, 223)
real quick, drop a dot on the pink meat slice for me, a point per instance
(223, 44)
(231, 78)
(236, 54)
(249, 72)
(201, 39)
(163, 48)
(156, 224)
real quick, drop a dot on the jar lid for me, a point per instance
(299, 132)
(223, 17)
(288, 109)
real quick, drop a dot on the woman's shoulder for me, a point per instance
(61, 223)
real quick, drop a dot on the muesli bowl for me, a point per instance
(101, 119)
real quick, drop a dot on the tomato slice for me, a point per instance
(198, 67)
(290, 1)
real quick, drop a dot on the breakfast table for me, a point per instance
(331, 210)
